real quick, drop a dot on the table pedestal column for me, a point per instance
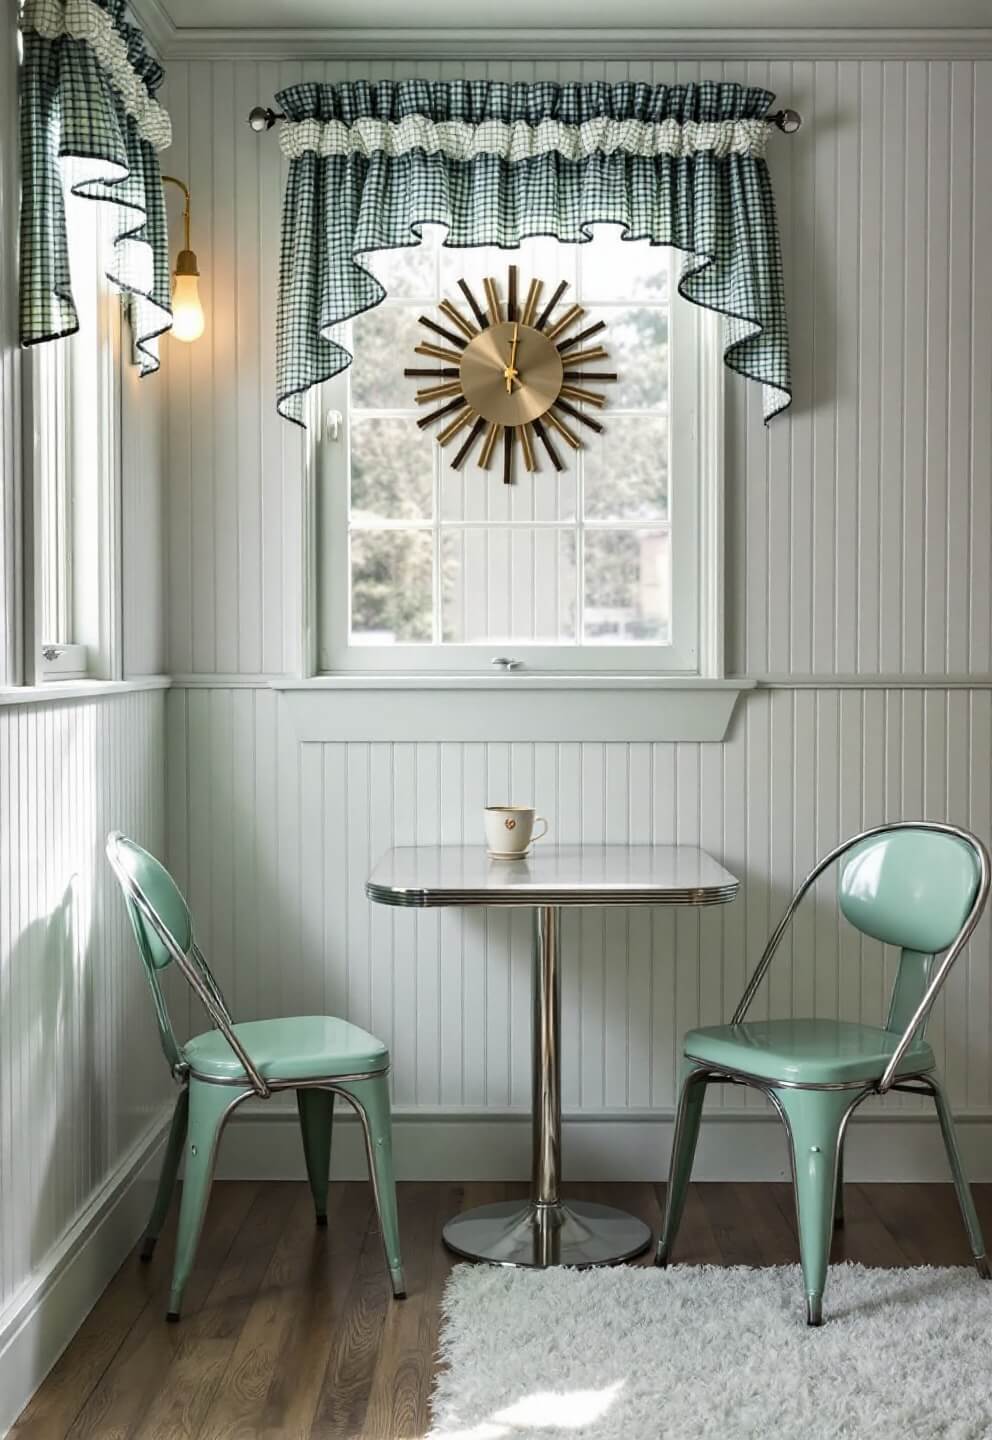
(547, 1230)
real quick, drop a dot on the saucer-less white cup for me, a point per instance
(510, 830)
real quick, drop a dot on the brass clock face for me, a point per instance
(511, 371)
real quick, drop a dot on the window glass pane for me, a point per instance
(383, 347)
(637, 341)
(391, 587)
(626, 473)
(501, 585)
(409, 270)
(615, 269)
(392, 470)
(628, 587)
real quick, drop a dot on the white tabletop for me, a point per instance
(434, 875)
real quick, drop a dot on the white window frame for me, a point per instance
(72, 508)
(696, 413)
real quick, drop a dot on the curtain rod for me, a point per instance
(262, 118)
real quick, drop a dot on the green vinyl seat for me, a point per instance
(918, 886)
(297, 1048)
(805, 1052)
(320, 1057)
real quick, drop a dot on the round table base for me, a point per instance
(576, 1232)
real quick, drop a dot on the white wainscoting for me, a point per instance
(275, 839)
(82, 1080)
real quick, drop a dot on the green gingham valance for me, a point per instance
(495, 162)
(89, 118)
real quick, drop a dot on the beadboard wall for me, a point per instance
(859, 541)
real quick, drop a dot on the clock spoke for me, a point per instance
(591, 397)
(460, 421)
(426, 420)
(474, 305)
(488, 445)
(457, 318)
(437, 353)
(583, 357)
(569, 409)
(569, 436)
(492, 300)
(511, 287)
(530, 304)
(569, 318)
(545, 440)
(586, 334)
(542, 319)
(528, 448)
(591, 375)
(508, 435)
(447, 372)
(448, 335)
(438, 392)
(466, 449)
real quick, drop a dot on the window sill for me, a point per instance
(512, 708)
(57, 690)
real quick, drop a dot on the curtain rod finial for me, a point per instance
(261, 117)
(788, 121)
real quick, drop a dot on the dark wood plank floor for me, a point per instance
(289, 1332)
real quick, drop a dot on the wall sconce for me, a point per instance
(187, 312)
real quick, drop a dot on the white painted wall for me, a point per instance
(82, 1083)
(858, 553)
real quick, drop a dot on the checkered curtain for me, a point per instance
(89, 120)
(495, 162)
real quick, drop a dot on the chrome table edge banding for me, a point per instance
(548, 1229)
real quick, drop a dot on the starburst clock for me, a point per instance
(510, 372)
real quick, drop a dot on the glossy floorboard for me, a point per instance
(290, 1334)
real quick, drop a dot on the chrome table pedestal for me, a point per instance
(547, 1230)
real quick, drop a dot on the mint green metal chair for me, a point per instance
(318, 1056)
(920, 886)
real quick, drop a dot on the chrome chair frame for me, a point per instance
(922, 1082)
(203, 984)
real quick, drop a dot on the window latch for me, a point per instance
(505, 663)
(333, 420)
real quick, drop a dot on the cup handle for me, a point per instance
(540, 820)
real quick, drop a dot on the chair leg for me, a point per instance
(686, 1133)
(839, 1194)
(371, 1099)
(208, 1108)
(316, 1109)
(815, 1120)
(965, 1199)
(167, 1178)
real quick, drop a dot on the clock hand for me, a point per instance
(510, 372)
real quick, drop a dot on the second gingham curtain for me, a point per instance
(495, 162)
(89, 119)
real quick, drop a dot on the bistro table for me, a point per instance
(549, 1230)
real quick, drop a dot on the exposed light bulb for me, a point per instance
(187, 312)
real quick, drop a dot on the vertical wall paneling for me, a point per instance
(859, 543)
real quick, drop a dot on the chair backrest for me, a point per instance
(914, 886)
(163, 930)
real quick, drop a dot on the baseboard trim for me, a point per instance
(262, 1143)
(41, 1319)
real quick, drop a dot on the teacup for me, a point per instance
(510, 830)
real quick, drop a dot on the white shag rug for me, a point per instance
(725, 1354)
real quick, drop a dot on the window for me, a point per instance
(74, 407)
(600, 567)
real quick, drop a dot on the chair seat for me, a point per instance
(303, 1047)
(805, 1052)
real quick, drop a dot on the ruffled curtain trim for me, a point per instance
(459, 140)
(87, 21)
